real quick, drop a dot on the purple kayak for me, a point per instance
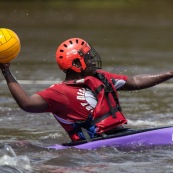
(146, 138)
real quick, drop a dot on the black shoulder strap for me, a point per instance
(108, 89)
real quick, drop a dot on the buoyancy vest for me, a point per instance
(107, 114)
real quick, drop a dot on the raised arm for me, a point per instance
(145, 81)
(34, 103)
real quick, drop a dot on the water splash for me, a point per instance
(140, 123)
(10, 161)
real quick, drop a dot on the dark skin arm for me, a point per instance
(33, 103)
(139, 82)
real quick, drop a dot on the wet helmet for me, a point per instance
(75, 49)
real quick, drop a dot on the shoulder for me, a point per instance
(113, 75)
(55, 88)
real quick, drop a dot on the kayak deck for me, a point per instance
(161, 136)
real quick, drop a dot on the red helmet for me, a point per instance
(69, 50)
(76, 49)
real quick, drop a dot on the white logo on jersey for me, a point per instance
(86, 95)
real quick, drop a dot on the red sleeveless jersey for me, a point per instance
(74, 103)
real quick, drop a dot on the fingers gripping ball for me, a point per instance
(9, 45)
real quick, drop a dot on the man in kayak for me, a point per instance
(86, 103)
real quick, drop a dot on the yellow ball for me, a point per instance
(9, 45)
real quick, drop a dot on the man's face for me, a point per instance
(90, 65)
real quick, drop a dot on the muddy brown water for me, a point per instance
(132, 37)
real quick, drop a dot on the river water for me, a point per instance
(132, 37)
